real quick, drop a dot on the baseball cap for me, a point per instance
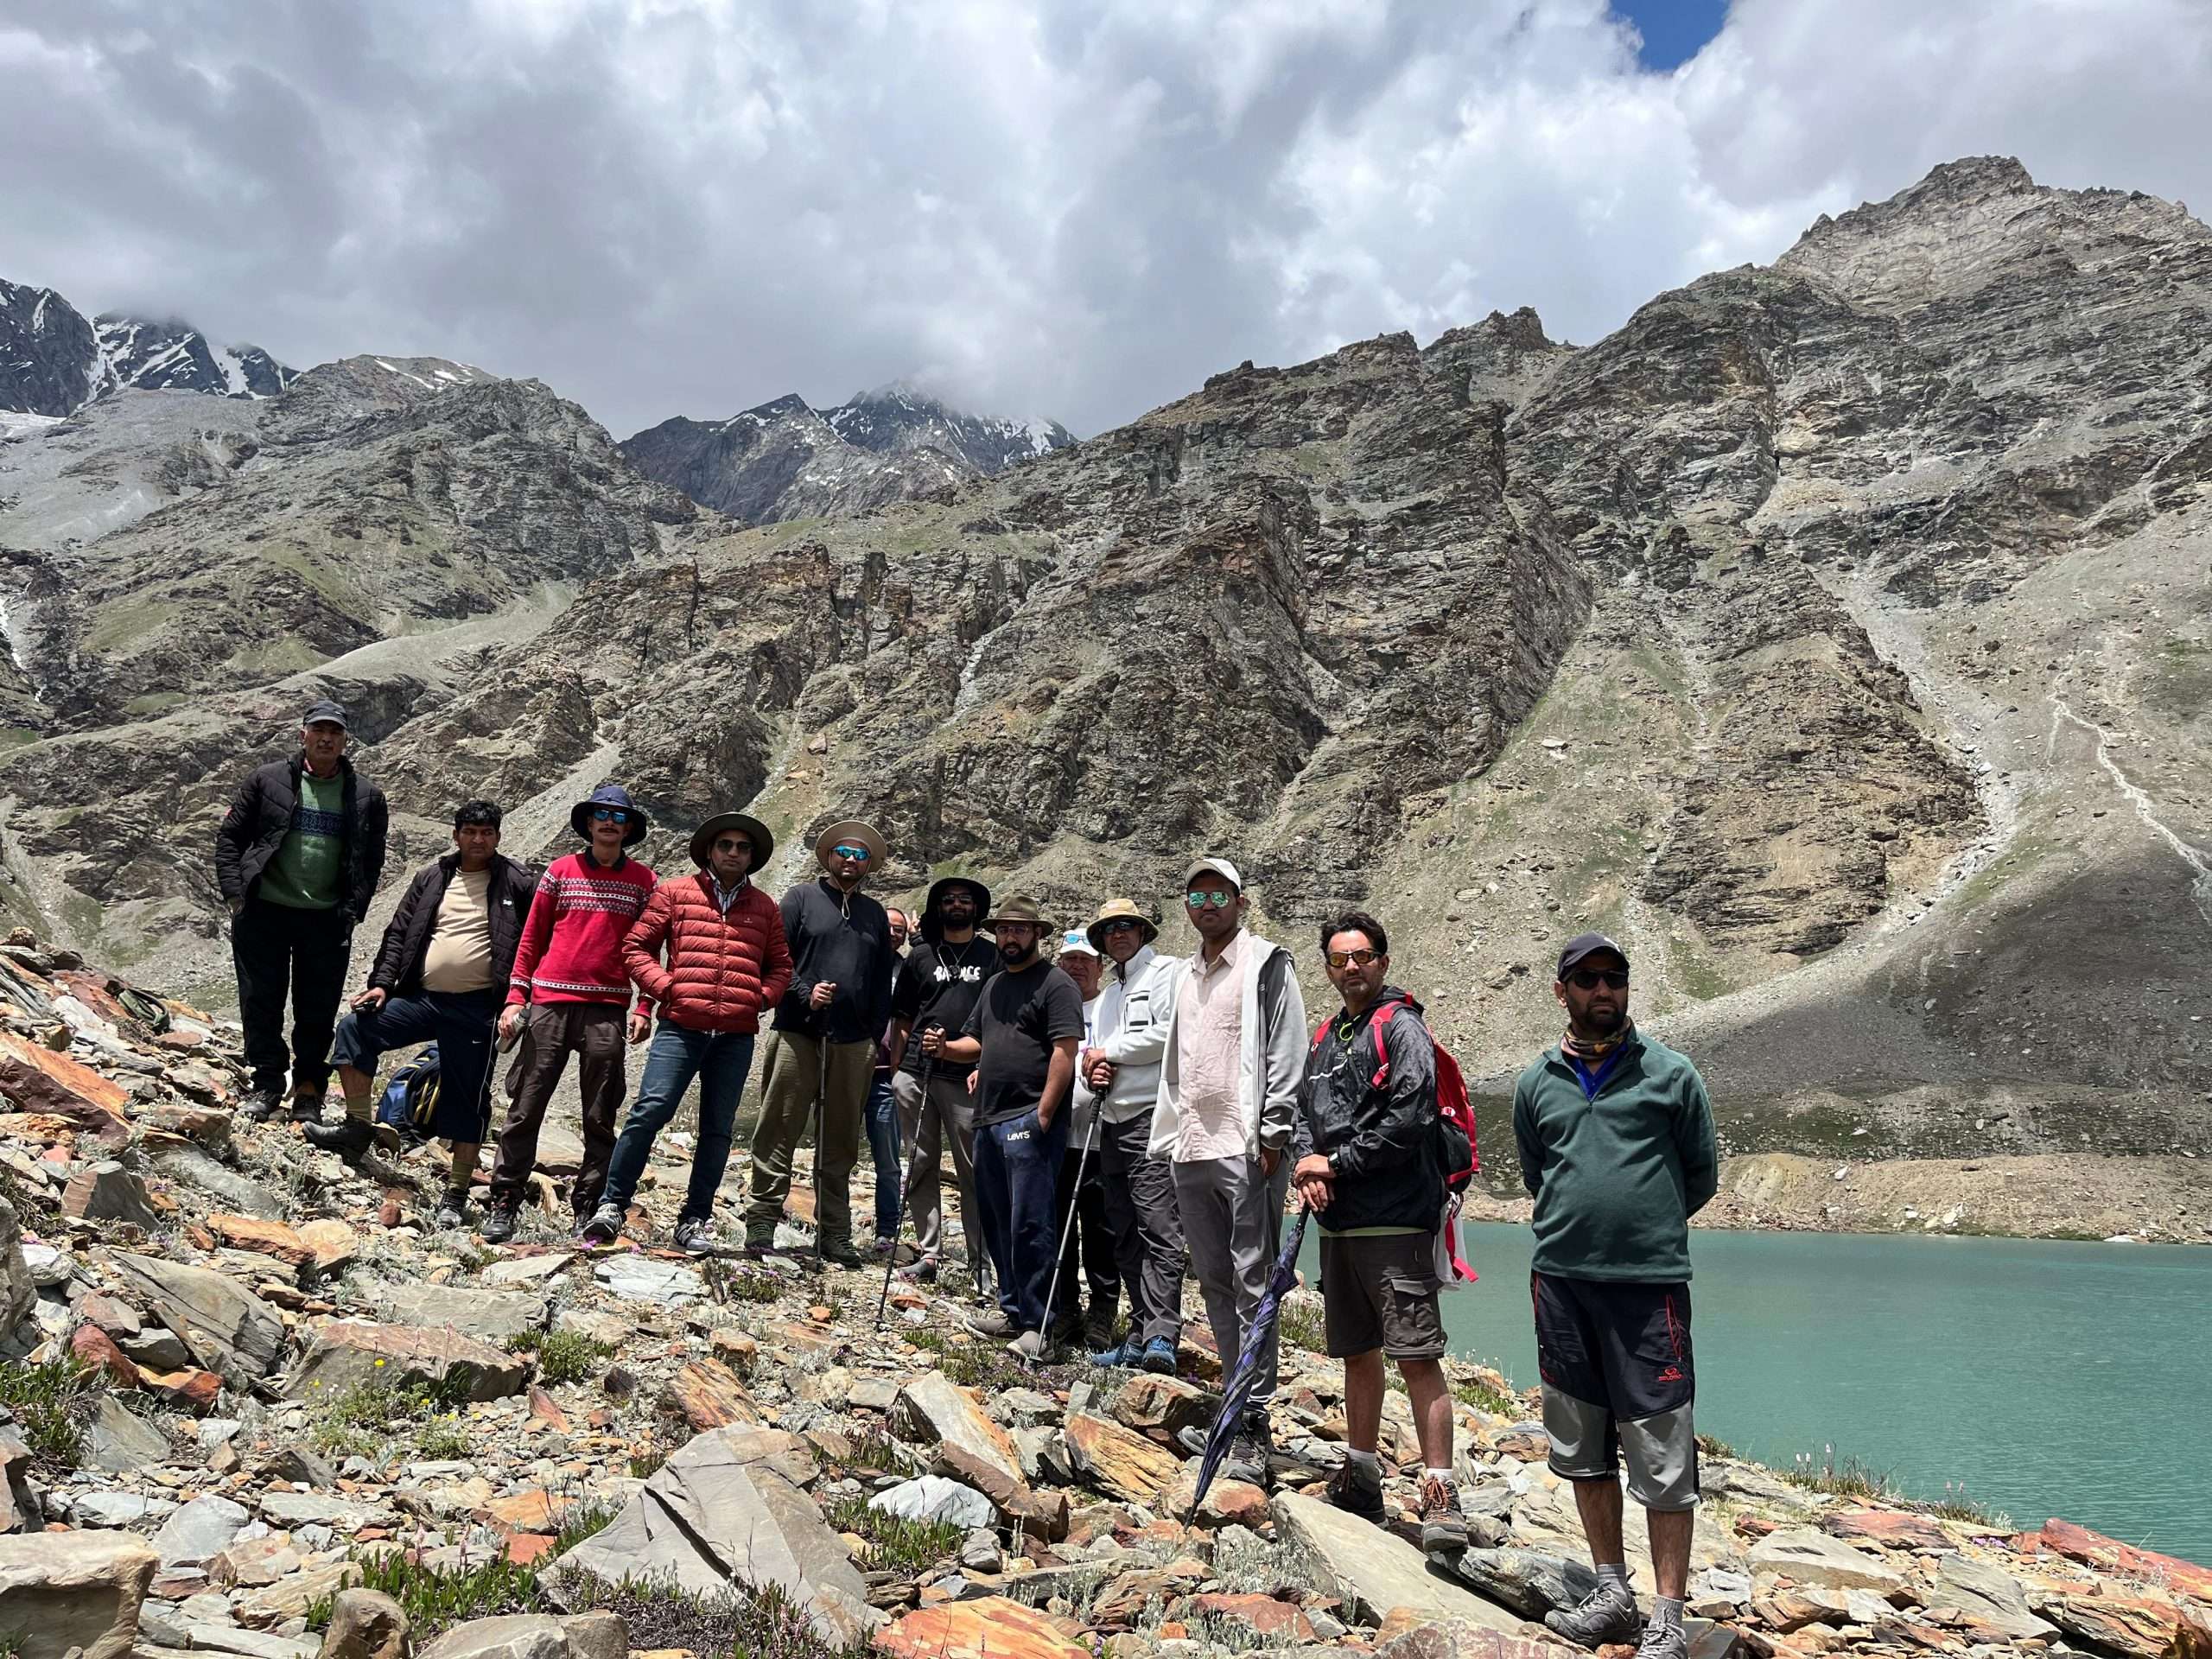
(1587, 944)
(1211, 866)
(1076, 942)
(324, 709)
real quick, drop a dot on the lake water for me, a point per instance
(2053, 1379)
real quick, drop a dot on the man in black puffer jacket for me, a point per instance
(441, 975)
(1371, 1168)
(297, 857)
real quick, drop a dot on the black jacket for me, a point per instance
(1384, 1144)
(846, 939)
(407, 937)
(262, 811)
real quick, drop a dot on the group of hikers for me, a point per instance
(1117, 1118)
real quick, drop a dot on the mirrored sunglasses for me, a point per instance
(609, 815)
(858, 855)
(1350, 958)
(1201, 900)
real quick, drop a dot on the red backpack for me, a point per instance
(1454, 1113)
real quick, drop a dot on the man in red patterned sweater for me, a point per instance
(568, 996)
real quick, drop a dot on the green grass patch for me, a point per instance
(580, 1521)
(362, 1420)
(742, 1284)
(1956, 1505)
(895, 1543)
(645, 1463)
(435, 1599)
(563, 1356)
(1713, 1445)
(1300, 1324)
(740, 1622)
(1485, 1396)
(1848, 1476)
(445, 1441)
(51, 1402)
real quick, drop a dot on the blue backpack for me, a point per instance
(410, 1101)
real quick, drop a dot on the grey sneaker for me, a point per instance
(1606, 1615)
(453, 1212)
(1249, 1449)
(1030, 1347)
(695, 1235)
(604, 1226)
(498, 1225)
(991, 1322)
(1663, 1642)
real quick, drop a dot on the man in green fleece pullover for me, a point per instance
(1617, 1148)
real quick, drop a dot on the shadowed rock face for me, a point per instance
(1824, 632)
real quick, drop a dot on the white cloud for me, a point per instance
(662, 207)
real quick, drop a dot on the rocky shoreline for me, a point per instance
(255, 1407)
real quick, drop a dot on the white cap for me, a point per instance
(1075, 942)
(1209, 866)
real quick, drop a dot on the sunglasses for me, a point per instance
(1350, 958)
(1201, 900)
(858, 855)
(732, 844)
(609, 815)
(1588, 979)
(1117, 927)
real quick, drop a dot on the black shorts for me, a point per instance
(1617, 1371)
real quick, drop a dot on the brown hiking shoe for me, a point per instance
(1443, 1526)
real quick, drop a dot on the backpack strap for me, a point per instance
(1378, 1023)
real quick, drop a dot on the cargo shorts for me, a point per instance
(1619, 1378)
(1378, 1290)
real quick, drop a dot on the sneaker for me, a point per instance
(261, 1104)
(1442, 1524)
(1250, 1450)
(991, 1322)
(1663, 1642)
(694, 1236)
(604, 1226)
(1352, 1492)
(839, 1252)
(923, 1272)
(498, 1225)
(1159, 1356)
(1606, 1615)
(452, 1211)
(1121, 1354)
(1030, 1347)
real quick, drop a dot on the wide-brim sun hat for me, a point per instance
(931, 926)
(633, 830)
(763, 838)
(1023, 910)
(853, 832)
(1120, 909)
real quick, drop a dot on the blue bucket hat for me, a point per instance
(610, 795)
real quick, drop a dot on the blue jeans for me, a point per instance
(1017, 1189)
(881, 1116)
(719, 1059)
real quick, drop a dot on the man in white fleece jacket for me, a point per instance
(1228, 1083)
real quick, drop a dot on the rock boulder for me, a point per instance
(64, 1591)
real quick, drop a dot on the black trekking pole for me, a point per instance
(906, 1184)
(1067, 1224)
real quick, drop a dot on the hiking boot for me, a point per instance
(1030, 1347)
(1606, 1615)
(1442, 1524)
(307, 1108)
(498, 1225)
(1355, 1493)
(1249, 1449)
(694, 1236)
(1159, 1356)
(261, 1104)
(1663, 1642)
(452, 1211)
(1098, 1332)
(604, 1226)
(991, 1322)
(349, 1137)
(1068, 1332)
(760, 1241)
(1122, 1354)
(839, 1252)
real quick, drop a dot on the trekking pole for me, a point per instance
(1067, 1226)
(912, 1172)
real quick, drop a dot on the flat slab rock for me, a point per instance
(226, 1328)
(988, 1627)
(933, 1408)
(64, 1591)
(495, 1317)
(641, 1279)
(1376, 1572)
(719, 1511)
(345, 1352)
(1813, 1557)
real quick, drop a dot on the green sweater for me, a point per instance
(1616, 1177)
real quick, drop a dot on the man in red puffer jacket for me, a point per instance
(726, 961)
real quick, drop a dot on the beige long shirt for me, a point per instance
(1210, 1037)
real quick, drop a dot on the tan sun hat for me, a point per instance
(1120, 909)
(851, 832)
(1019, 910)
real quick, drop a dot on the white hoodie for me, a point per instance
(1129, 1025)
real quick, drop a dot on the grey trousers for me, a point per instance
(1232, 1221)
(1148, 1227)
(949, 1114)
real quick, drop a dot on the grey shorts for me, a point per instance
(1378, 1290)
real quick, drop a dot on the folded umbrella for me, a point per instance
(1238, 1392)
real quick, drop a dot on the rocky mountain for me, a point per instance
(786, 460)
(54, 362)
(1838, 633)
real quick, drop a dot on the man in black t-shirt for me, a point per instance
(936, 991)
(1021, 1038)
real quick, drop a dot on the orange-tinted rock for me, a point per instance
(993, 1625)
(39, 1080)
(271, 1238)
(545, 1410)
(2132, 1626)
(707, 1393)
(333, 1242)
(2095, 1549)
(1893, 1526)
(1278, 1621)
(735, 1349)
(195, 1391)
(523, 1547)
(96, 1349)
(533, 1511)
(1120, 1460)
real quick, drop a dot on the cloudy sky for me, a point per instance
(1072, 207)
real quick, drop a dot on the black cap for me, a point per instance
(324, 709)
(1587, 944)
